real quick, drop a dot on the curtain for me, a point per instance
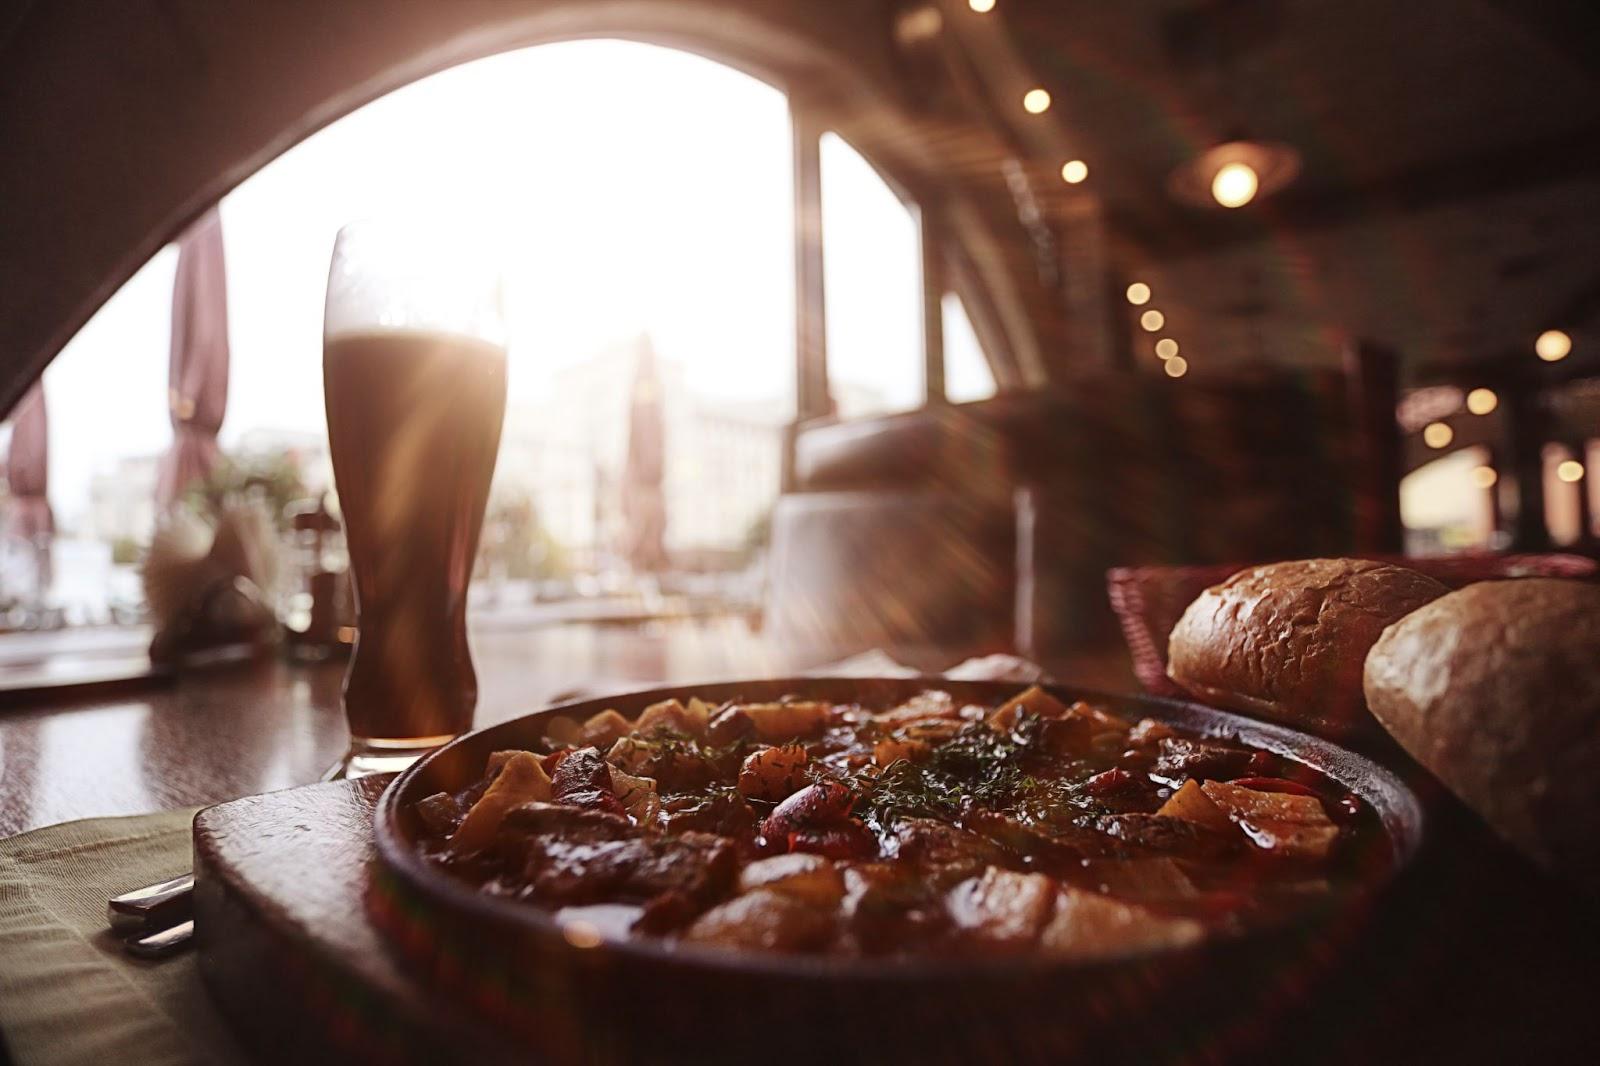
(197, 375)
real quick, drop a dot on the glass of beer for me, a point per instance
(414, 375)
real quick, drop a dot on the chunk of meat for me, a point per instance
(521, 779)
(1191, 804)
(1281, 823)
(584, 770)
(567, 870)
(1181, 758)
(949, 852)
(1063, 842)
(809, 878)
(1159, 880)
(764, 920)
(887, 906)
(774, 774)
(850, 839)
(932, 704)
(722, 812)
(676, 766)
(440, 813)
(575, 823)
(728, 725)
(1085, 925)
(1174, 836)
(1002, 910)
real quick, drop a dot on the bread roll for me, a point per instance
(1287, 641)
(1496, 690)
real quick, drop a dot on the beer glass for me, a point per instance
(414, 376)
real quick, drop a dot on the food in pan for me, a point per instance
(1287, 641)
(1496, 690)
(931, 828)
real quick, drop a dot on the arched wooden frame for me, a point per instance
(141, 115)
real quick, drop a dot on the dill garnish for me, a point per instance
(979, 767)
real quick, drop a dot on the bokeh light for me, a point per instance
(1437, 435)
(1138, 293)
(1552, 345)
(982, 7)
(1074, 171)
(1482, 401)
(1484, 476)
(1570, 470)
(1166, 347)
(1176, 367)
(1036, 101)
(1235, 184)
(1152, 320)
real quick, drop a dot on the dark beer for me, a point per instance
(414, 426)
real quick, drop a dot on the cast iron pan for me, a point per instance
(633, 1001)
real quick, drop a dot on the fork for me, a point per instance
(157, 920)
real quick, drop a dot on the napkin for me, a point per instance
(68, 992)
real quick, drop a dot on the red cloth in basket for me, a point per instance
(1149, 600)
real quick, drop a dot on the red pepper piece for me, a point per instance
(1275, 784)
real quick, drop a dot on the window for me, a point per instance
(967, 374)
(873, 283)
(650, 215)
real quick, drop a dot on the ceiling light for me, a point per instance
(1569, 471)
(1138, 294)
(1484, 477)
(1437, 435)
(1074, 171)
(1152, 320)
(982, 7)
(1234, 174)
(1553, 345)
(1482, 401)
(1176, 367)
(1036, 101)
(1235, 184)
(1166, 347)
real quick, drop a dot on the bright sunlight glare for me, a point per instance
(632, 188)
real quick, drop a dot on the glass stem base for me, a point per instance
(370, 755)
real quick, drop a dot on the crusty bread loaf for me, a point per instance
(1496, 690)
(1287, 641)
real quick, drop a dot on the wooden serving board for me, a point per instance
(285, 946)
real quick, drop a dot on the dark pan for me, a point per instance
(640, 1000)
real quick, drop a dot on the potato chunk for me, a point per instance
(774, 774)
(765, 920)
(673, 716)
(521, 780)
(1035, 701)
(1192, 805)
(1281, 823)
(603, 730)
(777, 722)
(893, 749)
(1002, 910)
(809, 878)
(1089, 926)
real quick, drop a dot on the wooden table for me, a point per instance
(250, 728)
